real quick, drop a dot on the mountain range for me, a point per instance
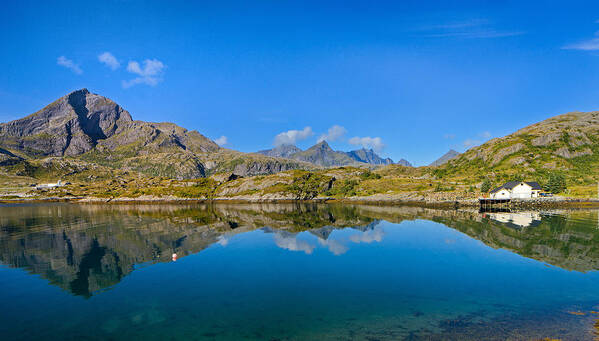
(91, 128)
(322, 154)
(86, 130)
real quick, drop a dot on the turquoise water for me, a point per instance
(295, 272)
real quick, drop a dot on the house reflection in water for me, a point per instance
(516, 219)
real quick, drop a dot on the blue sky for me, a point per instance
(411, 78)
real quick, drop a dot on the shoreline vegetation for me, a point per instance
(389, 185)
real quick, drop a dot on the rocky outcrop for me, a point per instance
(503, 152)
(567, 154)
(263, 167)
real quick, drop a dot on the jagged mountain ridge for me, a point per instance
(368, 156)
(322, 154)
(97, 130)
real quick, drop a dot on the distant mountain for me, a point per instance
(451, 154)
(322, 154)
(95, 129)
(285, 150)
(404, 162)
(368, 156)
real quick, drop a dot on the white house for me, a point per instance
(50, 185)
(516, 189)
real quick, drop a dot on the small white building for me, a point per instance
(516, 190)
(50, 185)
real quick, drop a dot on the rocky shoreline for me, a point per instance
(377, 200)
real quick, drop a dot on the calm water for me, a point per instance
(295, 272)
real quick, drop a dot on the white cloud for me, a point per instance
(375, 143)
(449, 136)
(335, 132)
(587, 45)
(150, 74)
(468, 29)
(374, 235)
(471, 143)
(293, 136)
(481, 137)
(109, 60)
(221, 141)
(69, 64)
(291, 243)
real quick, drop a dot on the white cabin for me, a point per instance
(50, 185)
(516, 190)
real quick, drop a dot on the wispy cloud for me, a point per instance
(588, 45)
(109, 60)
(449, 136)
(150, 74)
(334, 133)
(468, 143)
(69, 64)
(293, 136)
(368, 142)
(481, 137)
(591, 44)
(470, 29)
(221, 141)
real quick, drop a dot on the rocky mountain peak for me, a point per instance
(322, 145)
(451, 154)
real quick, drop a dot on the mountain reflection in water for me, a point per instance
(86, 249)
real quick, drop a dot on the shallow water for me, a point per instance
(295, 272)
